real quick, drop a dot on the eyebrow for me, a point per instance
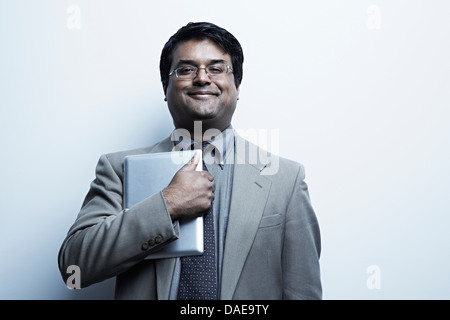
(193, 62)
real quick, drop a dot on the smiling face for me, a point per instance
(211, 100)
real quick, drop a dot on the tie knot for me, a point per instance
(208, 150)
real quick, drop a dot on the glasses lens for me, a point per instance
(216, 69)
(186, 72)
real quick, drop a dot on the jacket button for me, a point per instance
(158, 239)
(145, 246)
(151, 241)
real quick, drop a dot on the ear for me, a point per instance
(165, 92)
(238, 90)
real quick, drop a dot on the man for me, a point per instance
(265, 239)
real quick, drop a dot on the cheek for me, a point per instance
(174, 91)
(232, 94)
(229, 90)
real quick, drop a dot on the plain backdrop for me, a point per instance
(358, 91)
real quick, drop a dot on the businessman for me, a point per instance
(262, 237)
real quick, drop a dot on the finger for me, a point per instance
(192, 164)
(208, 176)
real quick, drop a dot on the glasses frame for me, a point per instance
(197, 69)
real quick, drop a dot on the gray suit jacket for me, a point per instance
(272, 245)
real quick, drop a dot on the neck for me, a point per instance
(200, 131)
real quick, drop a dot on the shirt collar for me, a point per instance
(223, 145)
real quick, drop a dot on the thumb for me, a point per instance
(192, 164)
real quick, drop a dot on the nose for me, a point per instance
(202, 77)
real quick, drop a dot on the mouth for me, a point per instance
(202, 94)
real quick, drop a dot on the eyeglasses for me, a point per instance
(191, 72)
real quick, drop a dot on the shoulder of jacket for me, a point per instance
(117, 158)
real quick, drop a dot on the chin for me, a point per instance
(205, 112)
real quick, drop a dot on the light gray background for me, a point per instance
(358, 91)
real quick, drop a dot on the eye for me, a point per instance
(185, 71)
(216, 69)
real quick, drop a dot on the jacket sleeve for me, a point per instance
(302, 246)
(106, 240)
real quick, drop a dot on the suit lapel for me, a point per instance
(248, 199)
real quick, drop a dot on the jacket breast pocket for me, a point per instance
(270, 221)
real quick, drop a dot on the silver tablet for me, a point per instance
(147, 174)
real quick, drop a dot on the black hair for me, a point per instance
(200, 31)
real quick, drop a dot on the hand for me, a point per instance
(190, 192)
